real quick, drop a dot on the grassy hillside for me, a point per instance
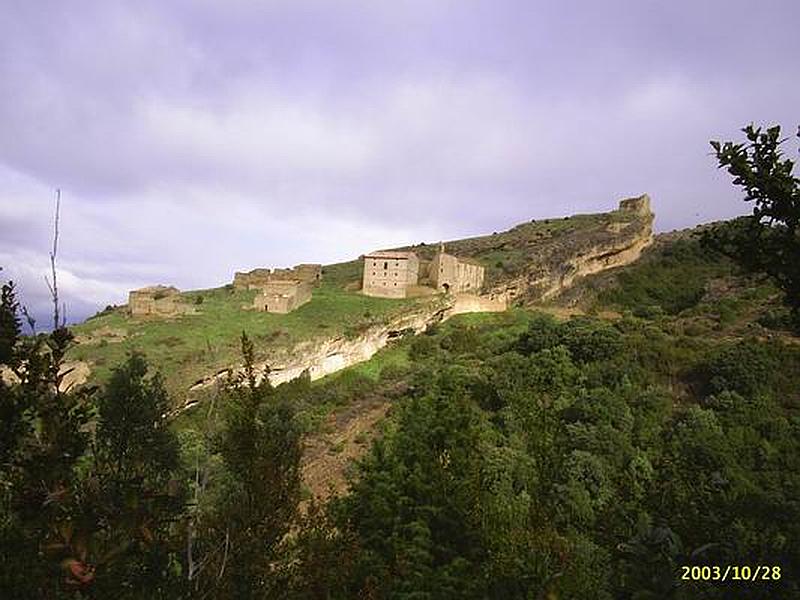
(189, 347)
(583, 458)
(501, 455)
(193, 346)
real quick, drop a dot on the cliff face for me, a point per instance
(531, 262)
(616, 239)
(321, 358)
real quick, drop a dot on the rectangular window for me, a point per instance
(385, 266)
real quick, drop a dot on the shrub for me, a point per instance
(746, 368)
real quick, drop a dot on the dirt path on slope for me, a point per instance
(346, 436)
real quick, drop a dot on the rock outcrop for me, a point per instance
(551, 262)
(556, 263)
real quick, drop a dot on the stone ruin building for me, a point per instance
(257, 278)
(282, 295)
(389, 274)
(392, 274)
(157, 300)
(451, 274)
(280, 290)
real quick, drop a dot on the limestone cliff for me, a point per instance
(583, 252)
(538, 260)
(323, 357)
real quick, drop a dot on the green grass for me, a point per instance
(190, 347)
(394, 356)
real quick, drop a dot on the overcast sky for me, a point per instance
(193, 139)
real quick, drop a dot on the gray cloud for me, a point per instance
(196, 138)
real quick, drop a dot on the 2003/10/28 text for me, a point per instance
(730, 573)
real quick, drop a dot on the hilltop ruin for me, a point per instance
(157, 300)
(399, 274)
(280, 290)
(389, 274)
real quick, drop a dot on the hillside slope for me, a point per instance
(340, 326)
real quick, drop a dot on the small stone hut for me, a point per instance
(282, 295)
(158, 300)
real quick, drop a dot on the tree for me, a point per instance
(240, 541)
(768, 241)
(44, 432)
(132, 499)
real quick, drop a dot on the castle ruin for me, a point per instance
(389, 274)
(258, 278)
(157, 300)
(282, 295)
(455, 275)
(393, 274)
(280, 290)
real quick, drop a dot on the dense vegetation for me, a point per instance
(524, 458)
(767, 241)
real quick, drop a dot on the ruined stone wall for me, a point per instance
(309, 272)
(639, 205)
(158, 300)
(472, 303)
(251, 279)
(470, 277)
(258, 278)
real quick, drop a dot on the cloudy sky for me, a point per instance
(192, 139)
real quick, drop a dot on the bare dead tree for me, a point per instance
(57, 322)
(29, 319)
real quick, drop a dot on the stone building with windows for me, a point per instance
(389, 274)
(452, 274)
(282, 295)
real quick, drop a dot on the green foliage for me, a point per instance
(769, 240)
(672, 281)
(559, 462)
(240, 536)
(83, 513)
(9, 323)
(133, 490)
(747, 368)
(523, 458)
